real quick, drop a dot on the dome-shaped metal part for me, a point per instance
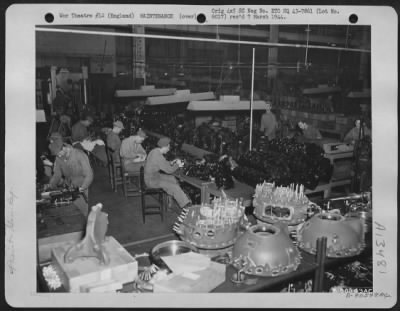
(265, 250)
(345, 235)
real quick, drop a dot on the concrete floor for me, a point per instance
(125, 215)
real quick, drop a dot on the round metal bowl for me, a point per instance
(170, 248)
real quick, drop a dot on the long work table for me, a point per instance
(208, 188)
(240, 189)
(308, 268)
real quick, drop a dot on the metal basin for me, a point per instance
(170, 248)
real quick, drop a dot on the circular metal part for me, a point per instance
(238, 277)
(170, 248)
(265, 250)
(213, 227)
(345, 235)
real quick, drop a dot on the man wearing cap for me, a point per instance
(113, 140)
(132, 153)
(268, 124)
(73, 165)
(81, 139)
(309, 132)
(153, 178)
(79, 130)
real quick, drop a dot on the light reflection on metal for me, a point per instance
(345, 235)
(212, 226)
(265, 250)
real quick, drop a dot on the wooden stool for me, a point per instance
(144, 190)
(114, 170)
(130, 188)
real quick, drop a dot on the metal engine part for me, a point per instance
(213, 226)
(345, 235)
(266, 250)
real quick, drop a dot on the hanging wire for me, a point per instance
(257, 43)
(308, 38)
(219, 87)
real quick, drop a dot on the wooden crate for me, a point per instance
(87, 275)
(45, 245)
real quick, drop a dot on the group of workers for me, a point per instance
(73, 169)
(157, 170)
(269, 126)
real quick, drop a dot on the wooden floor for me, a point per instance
(124, 214)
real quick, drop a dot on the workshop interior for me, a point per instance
(203, 158)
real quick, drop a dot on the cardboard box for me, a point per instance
(87, 274)
(45, 245)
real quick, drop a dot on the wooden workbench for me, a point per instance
(242, 190)
(208, 188)
(307, 269)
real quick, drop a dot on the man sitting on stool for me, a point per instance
(72, 164)
(153, 178)
(113, 140)
(132, 153)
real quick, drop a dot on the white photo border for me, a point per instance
(20, 242)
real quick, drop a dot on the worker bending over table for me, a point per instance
(132, 152)
(72, 167)
(153, 178)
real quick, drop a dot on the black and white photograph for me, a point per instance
(233, 151)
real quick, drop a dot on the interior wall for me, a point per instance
(67, 49)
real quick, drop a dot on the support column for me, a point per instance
(53, 87)
(364, 72)
(273, 57)
(138, 57)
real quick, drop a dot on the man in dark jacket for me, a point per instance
(79, 131)
(81, 139)
(71, 166)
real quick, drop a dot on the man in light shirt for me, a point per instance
(157, 172)
(113, 140)
(268, 122)
(132, 153)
